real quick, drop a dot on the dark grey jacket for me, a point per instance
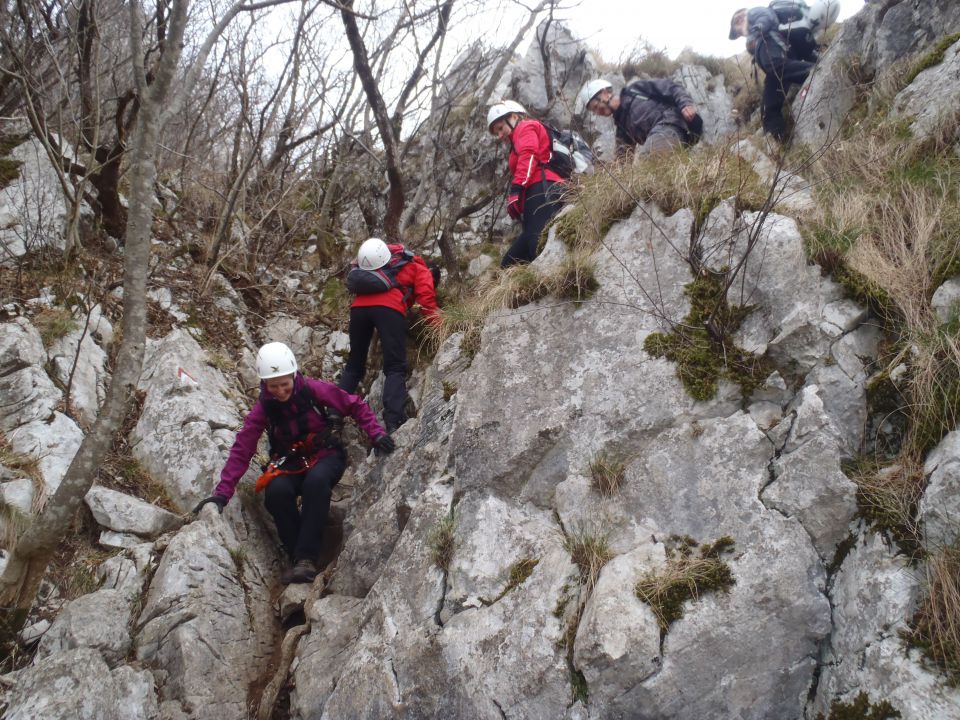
(647, 103)
(762, 21)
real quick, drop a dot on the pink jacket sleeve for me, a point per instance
(244, 447)
(347, 404)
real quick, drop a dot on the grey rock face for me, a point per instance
(940, 506)
(873, 596)
(75, 685)
(875, 38)
(89, 376)
(207, 626)
(99, 621)
(28, 394)
(33, 212)
(335, 622)
(945, 299)
(126, 514)
(54, 440)
(712, 99)
(811, 487)
(185, 430)
(932, 95)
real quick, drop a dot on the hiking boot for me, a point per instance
(304, 571)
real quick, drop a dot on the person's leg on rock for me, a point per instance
(316, 491)
(362, 324)
(280, 498)
(392, 328)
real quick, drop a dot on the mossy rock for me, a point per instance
(9, 171)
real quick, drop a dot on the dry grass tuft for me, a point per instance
(936, 626)
(574, 279)
(607, 474)
(697, 178)
(888, 497)
(691, 571)
(885, 225)
(590, 551)
(441, 542)
(54, 324)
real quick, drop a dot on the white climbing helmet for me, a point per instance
(373, 254)
(502, 109)
(588, 92)
(275, 360)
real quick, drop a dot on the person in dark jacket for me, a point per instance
(290, 408)
(785, 59)
(536, 190)
(386, 312)
(655, 115)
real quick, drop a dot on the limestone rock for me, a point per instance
(875, 38)
(54, 440)
(207, 626)
(712, 100)
(99, 621)
(185, 430)
(88, 368)
(335, 622)
(932, 95)
(18, 494)
(26, 391)
(873, 596)
(126, 514)
(940, 506)
(74, 685)
(136, 694)
(618, 639)
(810, 486)
(33, 211)
(945, 299)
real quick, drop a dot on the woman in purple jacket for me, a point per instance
(291, 408)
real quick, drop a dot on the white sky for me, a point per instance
(615, 27)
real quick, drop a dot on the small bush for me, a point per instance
(860, 709)
(935, 627)
(607, 474)
(691, 571)
(441, 542)
(449, 390)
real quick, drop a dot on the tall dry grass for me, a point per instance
(936, 624)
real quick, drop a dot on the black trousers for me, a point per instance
(782, 68)
(391, 326)
(301, 531)
(540, 204)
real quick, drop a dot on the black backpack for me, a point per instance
(789, 11)
(569, 152)
(369, 282)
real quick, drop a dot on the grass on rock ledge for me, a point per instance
(691, 571)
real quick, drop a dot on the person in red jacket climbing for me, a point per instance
(387, 280)
(535, 190)
(306, 460)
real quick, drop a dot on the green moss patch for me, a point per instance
(860, 709)
(933, 57)
(692, 570)
(701, 344)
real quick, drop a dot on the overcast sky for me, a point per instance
(615, 26)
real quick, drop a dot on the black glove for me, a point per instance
(220, 502)
(384, 445)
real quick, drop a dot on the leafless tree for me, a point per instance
(160, 93)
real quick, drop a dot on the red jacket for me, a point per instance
(416, 276)
(530, 149)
